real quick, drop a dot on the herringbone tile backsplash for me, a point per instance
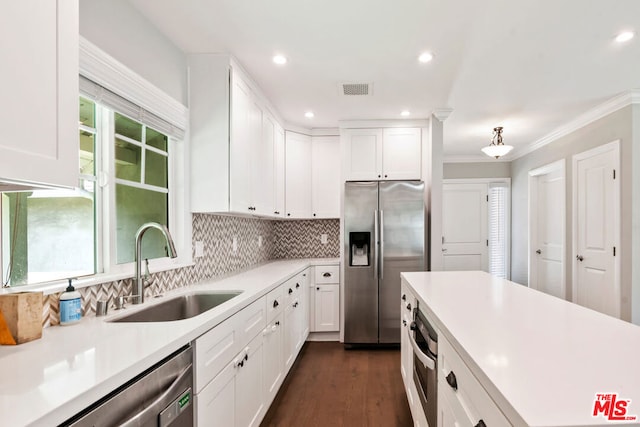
(280, 240)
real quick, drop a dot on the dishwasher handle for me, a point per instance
(426, 360)
(160, 402)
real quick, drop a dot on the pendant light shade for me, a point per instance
(497, 148)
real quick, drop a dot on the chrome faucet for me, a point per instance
(137, 291)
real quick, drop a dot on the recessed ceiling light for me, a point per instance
(625, 36)
(280, 59)
(405, 113)
(425, 57)
(309, 114)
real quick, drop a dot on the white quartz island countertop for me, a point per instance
(541, 359)
(47, 381)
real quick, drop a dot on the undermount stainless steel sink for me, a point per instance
(180, 307)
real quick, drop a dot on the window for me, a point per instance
(499, 229)
(125, 181)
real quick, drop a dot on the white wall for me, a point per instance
(617, 125)
(120, 30)
(490, 169)
(635, 216)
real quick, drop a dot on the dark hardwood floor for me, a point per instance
(331, 386)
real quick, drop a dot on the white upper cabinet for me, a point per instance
(279, 172)
(382, 154)
(325, 176)
(237, 145)
(39, 87)
(363, 154)
(298, 175)
(401, 153)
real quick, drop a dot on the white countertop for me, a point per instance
(542, 359)
(44, 382)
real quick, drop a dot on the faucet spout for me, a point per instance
(137, 292)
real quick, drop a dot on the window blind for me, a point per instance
(122, 105)
(498, 230)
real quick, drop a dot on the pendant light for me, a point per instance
(497, 147)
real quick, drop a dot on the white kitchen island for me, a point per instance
(541, 360)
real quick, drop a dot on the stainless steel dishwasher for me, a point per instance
(159, 397)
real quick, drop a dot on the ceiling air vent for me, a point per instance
(356, 89)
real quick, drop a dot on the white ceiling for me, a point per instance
(528, 65)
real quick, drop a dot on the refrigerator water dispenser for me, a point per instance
(360, 244)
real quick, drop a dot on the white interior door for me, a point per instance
(464, 226)
(547, 227)
(596, 281)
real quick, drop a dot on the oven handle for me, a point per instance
(426, 360)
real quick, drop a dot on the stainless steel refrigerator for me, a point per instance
(384, 235)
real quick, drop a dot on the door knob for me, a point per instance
(538, 251)
(579, 257)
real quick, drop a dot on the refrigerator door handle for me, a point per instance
(376, 239)
(381, 227)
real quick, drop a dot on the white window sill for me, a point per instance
(56, 286)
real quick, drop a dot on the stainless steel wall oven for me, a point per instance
(424, 341)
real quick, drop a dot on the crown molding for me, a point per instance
(610, 106)
(442, 114)
(103, 69)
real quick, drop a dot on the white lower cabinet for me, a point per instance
(460, 395)
(327, 308)
(273, 360)
(241, 363)
(214, 403)
(250, 404)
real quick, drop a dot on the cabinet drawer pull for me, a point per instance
(404, 297)
(409, 306)
(290, 291)
(451, 380)
(297, 285)
(275, 303)
(327, 274)
(481, 424)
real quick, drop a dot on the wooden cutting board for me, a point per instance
(22, 316)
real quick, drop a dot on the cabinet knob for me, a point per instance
(404, 322)
(409, 306)
(290, 291)
(538, 251)
(579, 258)
(275, 303)
(451, 380)
(276, 212)
(289, 214)
(386, 176)
(297, 285)
(404, 297)
(379, 176)
(317, 288)
(278, 323)
(481, 424)
(314, 214)
(295, 304)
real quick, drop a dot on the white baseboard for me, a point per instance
(324, 336)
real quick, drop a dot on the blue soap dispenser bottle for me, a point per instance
(70, 306)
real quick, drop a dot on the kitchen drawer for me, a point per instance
(275, 302)
(327, 274)
(216, 348)
(292, 287)
(470, 402)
